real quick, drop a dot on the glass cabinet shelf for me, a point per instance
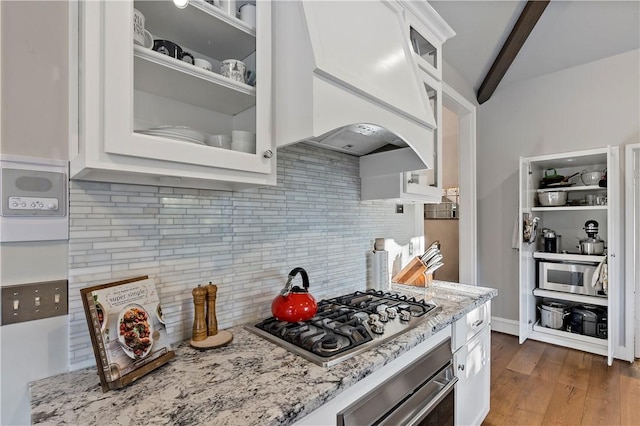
(168, 77)
(200, 26)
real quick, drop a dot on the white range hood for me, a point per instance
(346, 79)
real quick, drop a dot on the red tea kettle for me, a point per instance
(295, 304)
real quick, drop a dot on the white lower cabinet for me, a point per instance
(471, 358)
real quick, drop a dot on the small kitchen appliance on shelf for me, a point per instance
(592, 244)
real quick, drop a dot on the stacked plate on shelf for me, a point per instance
(180, 133)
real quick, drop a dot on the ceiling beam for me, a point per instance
(521, 30)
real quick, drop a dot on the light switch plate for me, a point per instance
(34, 301)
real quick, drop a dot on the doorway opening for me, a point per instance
(453, 222)
(441, 220)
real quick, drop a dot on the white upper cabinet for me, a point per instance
(424, 33)
(148, 118)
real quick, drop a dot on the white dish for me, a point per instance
(243, 136)
(219, 141)
(148, 40)
(180, 131)
(174, 137)
(244, 146)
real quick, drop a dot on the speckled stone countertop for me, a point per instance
(249, 382)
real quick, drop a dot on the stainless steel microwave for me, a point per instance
(568, 277)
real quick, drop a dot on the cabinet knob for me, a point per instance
(268, 154)
(461, 367)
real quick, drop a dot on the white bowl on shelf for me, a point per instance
(552, 198)
(243, 141)
(219, 141)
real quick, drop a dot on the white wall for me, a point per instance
(35, 78)
(588, 106)
(450, 136)
(454, 79)
(34, 99)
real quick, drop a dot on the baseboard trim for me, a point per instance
(504, 325)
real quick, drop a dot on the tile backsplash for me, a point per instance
(245, 242)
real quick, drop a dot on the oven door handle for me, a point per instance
(433, 403)
(412, 411)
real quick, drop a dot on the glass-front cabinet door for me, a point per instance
(176, 85)
(426, 47)
(429, 182)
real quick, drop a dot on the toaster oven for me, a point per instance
(569, 277)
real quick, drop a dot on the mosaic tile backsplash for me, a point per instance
(244, 242)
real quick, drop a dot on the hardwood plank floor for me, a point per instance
(541, 384)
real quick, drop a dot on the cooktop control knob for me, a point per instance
(377, 327)
(373, 318)
(384, 317)
(361, 317)
(405, 315)
(392, 312)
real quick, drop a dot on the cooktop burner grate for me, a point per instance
(346, 325)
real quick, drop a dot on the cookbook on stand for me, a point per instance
(127, 330)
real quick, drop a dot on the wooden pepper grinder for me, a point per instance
(212, 321)
(199, 332)
(207, 324)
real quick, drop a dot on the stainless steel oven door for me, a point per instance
(422, 393)
(432, 404)
(567, 277)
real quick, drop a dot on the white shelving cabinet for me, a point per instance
(125, 88)
(568, 221)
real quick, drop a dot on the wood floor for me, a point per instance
(542, 384)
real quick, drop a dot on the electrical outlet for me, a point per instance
(34, 301)
(399, 208)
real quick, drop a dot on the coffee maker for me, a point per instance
(551, 241)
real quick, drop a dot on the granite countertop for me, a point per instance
(249, 382)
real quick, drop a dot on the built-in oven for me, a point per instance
(570, 277)
(420, 394)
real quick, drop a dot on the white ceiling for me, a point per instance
(569, 33)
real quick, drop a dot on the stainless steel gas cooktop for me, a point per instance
(347, 325)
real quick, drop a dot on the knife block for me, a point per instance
(412, 273)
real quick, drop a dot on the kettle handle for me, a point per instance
(305, 280)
